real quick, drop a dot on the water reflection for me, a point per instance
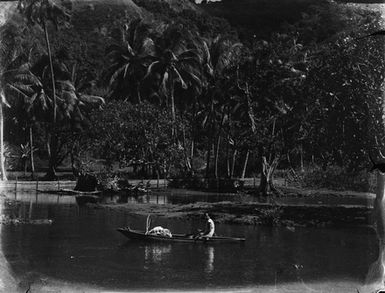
(156, 253)
(209, 268)
(83, 246)
(376, 274)
(188, 197)
(7, 281)
(42, 198)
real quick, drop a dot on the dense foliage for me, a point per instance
(187, 94)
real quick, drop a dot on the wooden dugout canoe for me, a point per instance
(141, 235)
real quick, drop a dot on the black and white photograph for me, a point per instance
(192, 146)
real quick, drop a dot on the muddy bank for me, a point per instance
(254, 213)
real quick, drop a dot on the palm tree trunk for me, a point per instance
(192, 148)
(52, 72)
(228, 159)
(51, 169)
(52, 156)
(208, 158)
(25, 161)
(185, 151)
(233, 163)
(301, 155)
(138, 92)
(2, 159)
(173, 110)
(217, 156)
(245, 164)
(31, 152)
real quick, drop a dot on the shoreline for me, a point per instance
(253, 213)
(243, 209)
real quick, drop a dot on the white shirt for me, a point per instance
(211, 227)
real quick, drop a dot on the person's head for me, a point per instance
(207, 216)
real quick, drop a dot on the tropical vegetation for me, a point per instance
(185, 94)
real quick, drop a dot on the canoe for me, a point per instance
(141, 235)
(70, 192)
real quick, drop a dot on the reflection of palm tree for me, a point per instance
(376, 274)
(209, 260)
(374, 278)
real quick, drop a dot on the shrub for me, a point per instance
(337, 178)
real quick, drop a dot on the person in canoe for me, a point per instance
(210, 228)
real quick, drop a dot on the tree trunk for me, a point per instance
(2, 159)
(245, 164)
(233, 164)
(31, 152)
(192, 156)
(266, 186)
(173, 110)
(301, 155)
(52, 72)
(228, 159)
(192, 148)
(208, 158)
(52, 155)
(51, 174)
(185, 152)
(25, 161)
(217, 156)
(138, 92)
(75, 162)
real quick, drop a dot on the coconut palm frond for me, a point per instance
(376, 33)
(180, 78)
(150, 69)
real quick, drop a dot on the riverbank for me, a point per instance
(294, 208)
(252, 213)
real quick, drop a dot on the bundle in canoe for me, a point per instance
(189, 238)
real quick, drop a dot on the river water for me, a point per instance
(82, 251)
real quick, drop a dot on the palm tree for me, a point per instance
(218, 55)
(130, 55)
(41, 12)
(172, 68)
(73, 106)
(12, 66)
(7, 47)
